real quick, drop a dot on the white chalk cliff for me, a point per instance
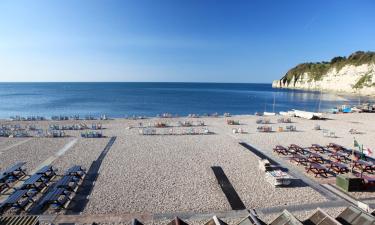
(349, 78)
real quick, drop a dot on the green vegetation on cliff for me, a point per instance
(317, 70)
(364, 81)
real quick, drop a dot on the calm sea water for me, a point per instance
(149, 99)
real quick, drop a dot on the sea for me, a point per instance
(119, 100)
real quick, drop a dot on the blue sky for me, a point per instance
(176, 40)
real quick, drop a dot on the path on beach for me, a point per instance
(56, 155)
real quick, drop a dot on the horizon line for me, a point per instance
(194, 82)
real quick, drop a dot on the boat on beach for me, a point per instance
(289, 113)
(308, 115)
(269, 114)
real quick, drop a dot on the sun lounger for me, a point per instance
(263, 121)
(19, 199)
(327, 133)
(233, 122)
(91, 134)
(284, 120)
(264, 129)
(59, 118)
(338, 167)
(89, 117)
(290, 128)
(96, 126)
(317, 169)
(55, 133)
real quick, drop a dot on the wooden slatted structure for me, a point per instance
(354, 216)
(321, 218)
(286, 218)
(19, 220)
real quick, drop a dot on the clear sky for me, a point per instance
(176, 40)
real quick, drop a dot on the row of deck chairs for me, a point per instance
(18, 127)
(77, 117)
(11, 127)
(178, 124)
(28, 118)
(189, 131)
(268, 121)
(264, 128)
(192, 115)
(80, 126)
(135, 117)
(316, 162)
(263, 121)
(58, 118)
(195, 115)
(14, 133)
(166, 115)
(233, 122)
(92, 134)
(284, 120)
(41, 186)
(55, 133)
(190, 124)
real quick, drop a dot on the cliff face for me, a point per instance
(346, 76)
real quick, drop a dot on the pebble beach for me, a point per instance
(168, 174)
